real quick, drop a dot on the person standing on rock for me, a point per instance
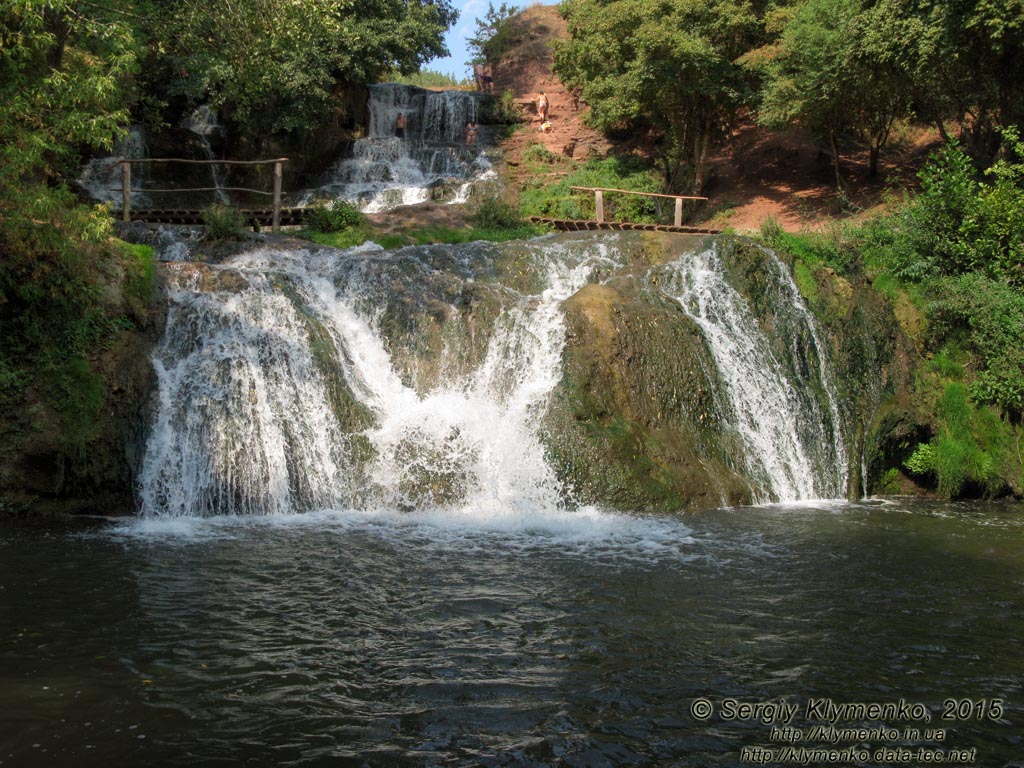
(542, 107)
(400, 123)
(472, 129)
(478, 72)
(489, 78)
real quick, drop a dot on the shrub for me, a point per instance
(332, 216)
(557, 200)
(494, 213)
(971, 448)
(222, 221)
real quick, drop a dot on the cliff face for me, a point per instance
(73, 435)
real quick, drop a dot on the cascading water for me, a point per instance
(783, 407)
(293, 380)
(203, 123)
(251, 421)
(101, 176)
(386, 171)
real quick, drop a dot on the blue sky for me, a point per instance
(469, 11)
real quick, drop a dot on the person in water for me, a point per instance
(400, 123)
(472, 129)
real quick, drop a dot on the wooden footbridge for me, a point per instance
(600, 223)
(275, 217)
(278, 216)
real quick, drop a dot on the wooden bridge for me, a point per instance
(602, 224)
(275, 216)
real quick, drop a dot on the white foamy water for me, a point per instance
(430, 161)
(101, 176)
(247, 424)
(794, 447)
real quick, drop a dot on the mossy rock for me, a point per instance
(633, 422)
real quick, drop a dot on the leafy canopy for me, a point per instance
(668, 63)
(273, 65)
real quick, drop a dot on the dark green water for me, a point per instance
(354, 639)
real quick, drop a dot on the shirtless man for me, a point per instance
(400, 123)
(542, 107)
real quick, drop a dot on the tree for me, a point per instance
(668, 63)
(64, 74)
(273, 64)
(496, 32)
(836, 70)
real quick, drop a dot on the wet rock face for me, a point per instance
(633, 423)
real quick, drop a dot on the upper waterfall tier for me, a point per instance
(430, 161)
(506, 379)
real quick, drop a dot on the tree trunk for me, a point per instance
(834, 144)
(873, 151)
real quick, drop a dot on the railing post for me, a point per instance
(599, 205)
(126, 191)
(679, 211)
(277, 197)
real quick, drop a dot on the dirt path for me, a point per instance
(754, 175)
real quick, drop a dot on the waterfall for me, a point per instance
(422, 379)
(277, 392)
(778, 392)
(203, 123)
(101, 176)
(385, 171)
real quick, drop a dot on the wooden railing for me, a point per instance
(599, 200)
(126, 182)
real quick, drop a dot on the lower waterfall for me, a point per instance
(793, 438)
(249, 423)
(294, 380)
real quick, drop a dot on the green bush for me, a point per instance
(494, 213)
(972, 447)
(557, 200)
(223, 221)
(957, 224)
(332, 216)
(986, 318)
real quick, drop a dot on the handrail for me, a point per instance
(599, 200)
(126, 181)
(136, 160)
(203, 189)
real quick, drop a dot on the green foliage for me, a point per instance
(987, 319)
(332, 216)
(670, 64)
(835, 247)
(494, 213)
(496, 33)
(507, 106)
(971, 449)
(78, 393)
(63, 77)
(222, 221)
(274, 64)
(835, 70)
(425, 236)
(957, 224)
(428, 78)
(542, 197)
(889, 482)
(922, 460)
